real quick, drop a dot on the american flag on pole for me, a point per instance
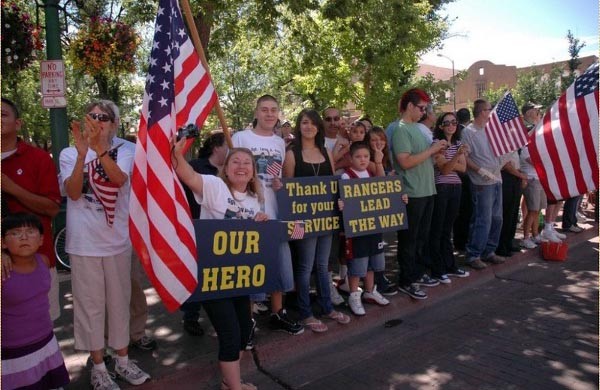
(274, 168)
(178, 92)
(564, 145)
(105, 191)
(505, 129)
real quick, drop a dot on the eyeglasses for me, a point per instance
(332, 118)
(487, 109)
(17, 233)
(100, 117)
(422, 108)
(448, 123)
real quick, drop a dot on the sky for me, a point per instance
(515, 32)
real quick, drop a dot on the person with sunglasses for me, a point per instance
(447, 200)
(412, 153)
(98, 241)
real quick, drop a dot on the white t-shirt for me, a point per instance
(269, 152)
(361, 174)
(88, 233)
(219, 203)
(426, 131)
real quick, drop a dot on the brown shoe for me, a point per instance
(477, 264)
(494, 259)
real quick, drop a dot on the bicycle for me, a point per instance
(59, 248)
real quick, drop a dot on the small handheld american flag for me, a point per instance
(505, 129)
(274, 168)
(298, 231)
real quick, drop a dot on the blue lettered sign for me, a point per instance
(236, 257)
(313, 200)
(372, 205)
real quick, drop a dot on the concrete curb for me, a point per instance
(274, 349)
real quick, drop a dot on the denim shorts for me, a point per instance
(360, 265)
(286, 273)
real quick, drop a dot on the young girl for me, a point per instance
(234, 194)
(308, 157)
(341, 151)
(380, 165)
(30, 353)
(367, 251)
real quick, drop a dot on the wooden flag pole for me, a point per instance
(189, 18)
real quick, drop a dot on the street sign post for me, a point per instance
(53, 86)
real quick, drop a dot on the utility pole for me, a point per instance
(59, 126)
(453, 81)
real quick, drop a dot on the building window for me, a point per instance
(480, 85)
(481, 71)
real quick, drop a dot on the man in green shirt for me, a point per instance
(412, 153)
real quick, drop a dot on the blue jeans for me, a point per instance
(445, 210)
(311, 251)
(486, 221)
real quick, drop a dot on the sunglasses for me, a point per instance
(100, 117)
(332, 118)
(422, 108)
(448, 123)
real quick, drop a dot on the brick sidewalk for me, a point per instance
(183, 361)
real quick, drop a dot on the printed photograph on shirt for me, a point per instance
(268, 163)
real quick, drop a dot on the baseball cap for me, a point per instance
(528, 106)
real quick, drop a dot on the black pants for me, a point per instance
(412, 259)
(511, 200)
(461, 224)
(231, 319)
(445, 210)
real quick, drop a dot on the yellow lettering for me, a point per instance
(258, 275)
(243, 276)
(227, 278)
(209, 279)
(220, 243)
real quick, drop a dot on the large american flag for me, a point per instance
(178, 92)
(564, 145)
(505, 129)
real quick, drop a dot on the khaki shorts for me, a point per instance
(535, 197)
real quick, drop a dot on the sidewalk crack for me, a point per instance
(271, 376)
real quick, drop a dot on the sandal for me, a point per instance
(314, 325)
(245, 386)
(338, 316)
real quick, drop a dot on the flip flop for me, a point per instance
(338, 316)
(315, 325)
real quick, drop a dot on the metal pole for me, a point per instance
(453, 81)
(59, 126)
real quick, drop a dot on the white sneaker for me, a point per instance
(580, 217)
(344, 286)
(103, 380)
(131, 373)
(548, 235)
(355, 304)
(336, 298)
(259, 308)
(375, 297)
(528, 243)
(575, 229)
(557, 234)
(444, 279)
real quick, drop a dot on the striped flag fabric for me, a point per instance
(298, 231)
(274, 168)
(564, 145)
(178, 92)
(505, 128)
(105, 191)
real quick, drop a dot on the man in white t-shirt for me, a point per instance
(269, 151)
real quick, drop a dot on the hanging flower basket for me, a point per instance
(19, 39)
(104, 47)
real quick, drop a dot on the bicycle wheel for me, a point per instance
(59, 248)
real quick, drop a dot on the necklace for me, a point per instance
(315, 171)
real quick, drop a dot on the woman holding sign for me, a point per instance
(234, 194)
(308, 157)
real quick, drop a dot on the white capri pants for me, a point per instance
(101, 294)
